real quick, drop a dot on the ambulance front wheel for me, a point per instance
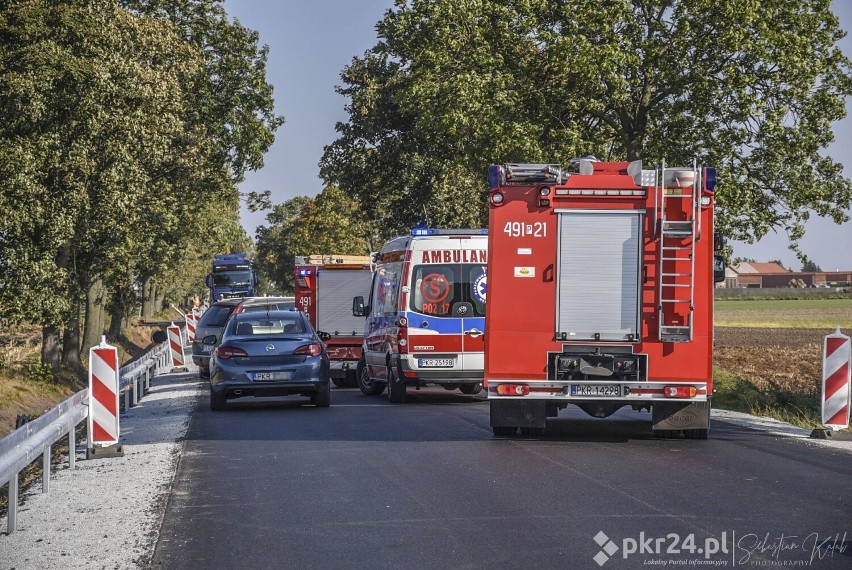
(369, 386)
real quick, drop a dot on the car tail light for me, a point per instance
(225, 352)
(313, 349)
(513, 390)
(680, 391)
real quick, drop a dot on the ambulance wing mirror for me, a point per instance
(358, 308)
(718, 269)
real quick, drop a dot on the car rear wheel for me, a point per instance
(368, 386)
(322, 399)
(396, 388)
(217, 401)
(471, 388)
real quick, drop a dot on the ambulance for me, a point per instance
(425, 314)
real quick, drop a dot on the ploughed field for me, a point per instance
(788, 359)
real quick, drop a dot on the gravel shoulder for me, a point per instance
(106, 513)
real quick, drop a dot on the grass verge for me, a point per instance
(733, 392)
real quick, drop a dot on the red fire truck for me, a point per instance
(325, 286)
(601, 294)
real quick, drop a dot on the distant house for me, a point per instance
(772, 275)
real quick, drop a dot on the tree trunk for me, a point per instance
(147, 297)
(51, 353)
(93, 327)
(71, 343)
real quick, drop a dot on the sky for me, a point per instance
(311, 42)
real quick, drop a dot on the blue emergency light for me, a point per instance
(304, 272)
(710, 179)
(449, 232)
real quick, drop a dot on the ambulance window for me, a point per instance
(387, 289)
(476, 285)
(434, 289)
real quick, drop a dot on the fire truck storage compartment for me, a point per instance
(336, 288)
(598, 275)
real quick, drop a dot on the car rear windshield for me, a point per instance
(268, 326)
(440, 290)
(216, 316)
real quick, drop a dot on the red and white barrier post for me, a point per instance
(191, 320)
(836, 380)
(178, 360)
(103, 402)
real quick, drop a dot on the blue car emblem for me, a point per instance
(270, 347)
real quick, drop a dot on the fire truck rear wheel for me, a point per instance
(532, 432)
(368, 386)
(396, 388)
(695, 433)
(471, 388)
(504, 430)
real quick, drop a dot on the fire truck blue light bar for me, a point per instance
(448, 232)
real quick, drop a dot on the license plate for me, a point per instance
(435, 362)
(267, 376)
(206, 348)
(596, 390)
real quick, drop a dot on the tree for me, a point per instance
(750, 87)
(811, 267)
(331, 223)
(123, 135)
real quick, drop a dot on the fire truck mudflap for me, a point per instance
(600, 294)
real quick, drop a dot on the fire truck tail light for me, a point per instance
(497, 198)
(680, 391)
(513, 390)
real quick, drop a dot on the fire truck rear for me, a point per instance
(601, 294)
(325, 285)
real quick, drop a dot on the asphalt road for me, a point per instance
(369, 484)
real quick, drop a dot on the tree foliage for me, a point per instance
(331, 223)
(124, 130)
(749, 86)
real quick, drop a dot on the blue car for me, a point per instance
(274, 353)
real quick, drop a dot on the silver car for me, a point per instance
(274, 353)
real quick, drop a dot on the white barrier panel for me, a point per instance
(103, 395)
(836, 369)
(176, 346)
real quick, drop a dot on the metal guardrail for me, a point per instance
(25, 444)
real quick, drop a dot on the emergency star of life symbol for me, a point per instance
(480, 287)
(608, 548)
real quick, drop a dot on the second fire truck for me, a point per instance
(601, 294)
(325, 285)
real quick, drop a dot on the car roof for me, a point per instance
(227, 302)
(264, 300)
